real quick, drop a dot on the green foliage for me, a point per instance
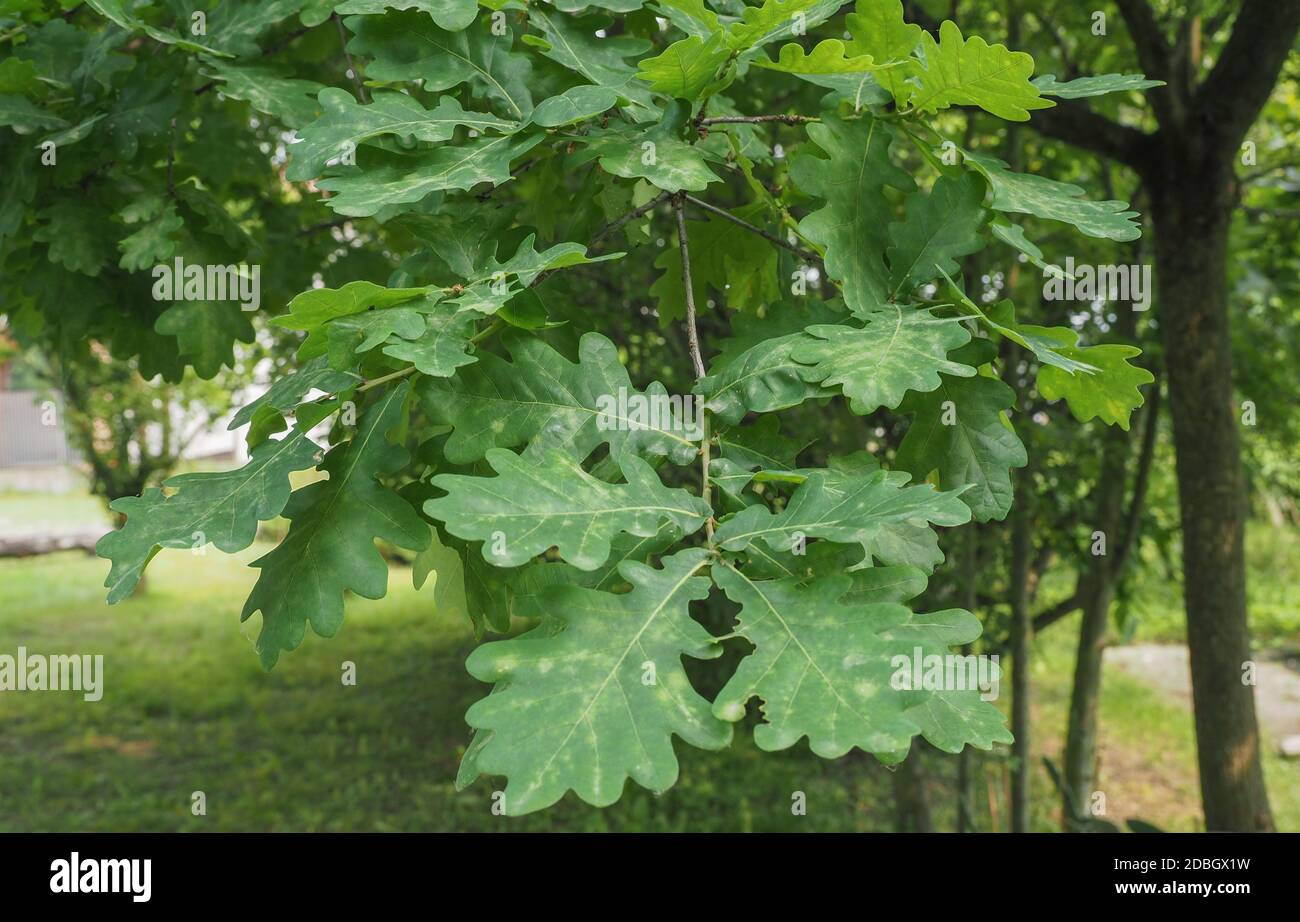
(483, 378)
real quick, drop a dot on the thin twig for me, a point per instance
(171, 161)
(692, 333)
(630, 216)
(352, 68)
(772, 238)
(266, 52)
(496, 324)
(384, 379)
(693, 344)
(322, 225)
(755, 119)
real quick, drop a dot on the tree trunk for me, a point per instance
(911, 809)
(1022, 632)
(1081, 729)
(969, 597)
(1192, 209)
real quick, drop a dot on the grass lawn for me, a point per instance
(187, 708)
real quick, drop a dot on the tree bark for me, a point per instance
(1022, 633)
(1085, 695)
(911, 808)
(1192, 211)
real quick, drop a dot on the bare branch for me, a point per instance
(1074, 122)
(755, 119)
(692, 332)
(1133, 519)
(693, 344)
(1156, 57)
(740, 222)
(630, 216)
(1230, 99)
(352, 67)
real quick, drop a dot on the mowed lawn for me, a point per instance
(188, 708)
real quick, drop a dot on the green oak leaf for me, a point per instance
(330, 546)
(24, 117)
(1098, 85)
(193, 510)
(397, 179)
(492, 284)
(269, 91)
(827, 668)
(543, 400)
(550, 501)
(853, 225)
(75, 236)
(688, 67)
(1014, 236)
(18, 78)
(960, 431)
(1108, 389)
(601, 61)
(450, 598)
(317, 306)
(153, 243)
(763, 378)
(348, 337)
(575, 104)
(452, 15)
(572, 709)
(879, 31)
(266, 413)
(827, 57)
(738, 265)
(236, 26)
(774, 20)
(1049, 344)
(899, 349)
(939, 229)
(754, 371)
(409, 45)
(690, 16)
(971, 72)
(206, 332)
(1024, 193)
(117, 12)
(78, 132)
(1111, 394)
(344, 124)
(848, 508)
(668, 162)
(442, 346)
(760, 445)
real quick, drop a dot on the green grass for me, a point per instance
(187, 708)
(1273, 589)
(21, 512)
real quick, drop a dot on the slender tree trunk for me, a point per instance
(1081, 729)
(1022, 632)
(1101, 579)
(912, 811)
(1192, 218)
(969, 595)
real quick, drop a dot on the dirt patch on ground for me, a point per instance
(1277, 689)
